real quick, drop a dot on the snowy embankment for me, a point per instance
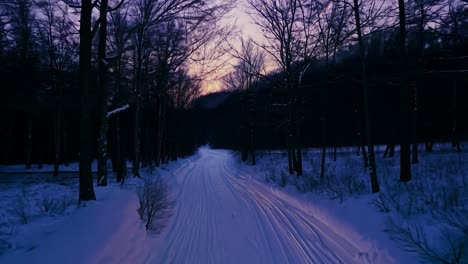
(106, 231)
(424, 220)
(41, 221)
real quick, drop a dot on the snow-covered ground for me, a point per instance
(427, 216)
(228, 212)
(226, 216)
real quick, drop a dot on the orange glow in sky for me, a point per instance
(247, 28)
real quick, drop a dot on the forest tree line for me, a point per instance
(107, 79)
(348, 72)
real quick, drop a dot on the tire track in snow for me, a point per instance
(223, 216)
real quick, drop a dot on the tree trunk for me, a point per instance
(335, 148)
(324, 145)
(455, 140)
(290, 159)
(57, 138)
(86, 177)
(372, 165)
(405, 128)
(251, 117)
(104, 127)
(65, 147)
(136, 141)
(159, 134)
(298, 148)
(8, 143)
(58, 115)
(29, 143)
(117, 157)
(138, 88)
(365, 158)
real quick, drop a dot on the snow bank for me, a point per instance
(105, 231)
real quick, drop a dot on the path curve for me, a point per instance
(224, 216)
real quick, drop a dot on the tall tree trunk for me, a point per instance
(298, 140)
(118, 151)
(120, 165)
(58, 111)
(244, 128)
(136, 141)
(8, 142)
(290, 159)
(415, 112)
(335, 148)
(86, 178)
(159, 134)
(29, 142)
(455, 139)
(324, 145)
(251, 118)
(365, 88)
(324, 119)
(138, 88)
(65, 147)
(57, 138)
(405, 127)
(104, 126)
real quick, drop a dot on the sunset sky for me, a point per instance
(246, 28)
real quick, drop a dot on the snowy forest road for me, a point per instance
(224, 216)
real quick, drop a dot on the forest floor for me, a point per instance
(224, 212)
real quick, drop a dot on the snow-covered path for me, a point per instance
(223, 216)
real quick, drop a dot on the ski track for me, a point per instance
(224, 216)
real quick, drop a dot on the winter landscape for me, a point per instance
(233, 131)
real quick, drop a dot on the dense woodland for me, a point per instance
(114, 80)
(349, 73)
(103, 79)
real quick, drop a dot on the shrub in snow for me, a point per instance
(381, 203)
(52, 206)
(154, 202)
(440, 244)
(22, 209)
(270, 174)
(283, 178)
(299, 183)
(47, 205)
(64, 202)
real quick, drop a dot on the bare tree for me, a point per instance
(55, 29)
(184, 90)
(119, 42)
(86, 178)
(405, 162)
(147, 15)
(453, 25)
(371, 12)
(168, 19)
(280, 22)
(19, 28)
(248, 70)
(331, 20)
(420, 15)
(103, 68)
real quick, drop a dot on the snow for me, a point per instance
(437, 190)
(46, 168)
(106, 231)
(225, 216)
(117, 110)
(225, 212)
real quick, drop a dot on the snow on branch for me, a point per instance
(117, 110)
